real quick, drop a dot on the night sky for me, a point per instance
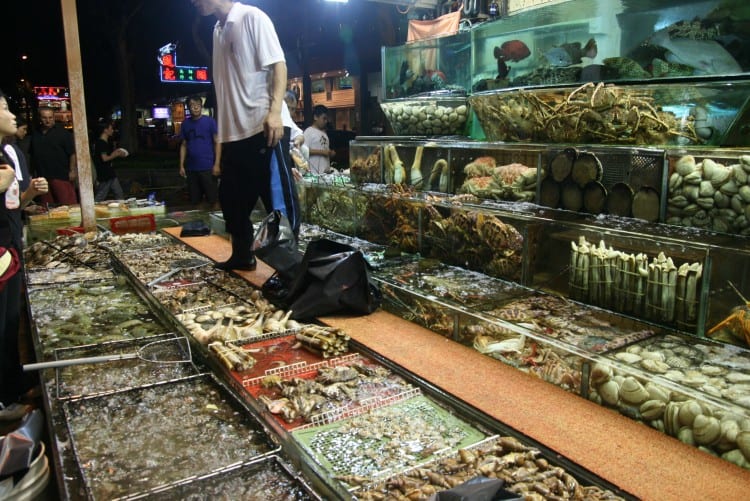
(336, 35)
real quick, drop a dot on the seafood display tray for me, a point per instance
(374, 445)
(130, 442)
(79, 314)
(77, 381)
(269, 478)
(435, 280)
(501, 457)
(37, 277)
(334, 403)
(275, 355)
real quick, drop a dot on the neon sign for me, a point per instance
(169, 71)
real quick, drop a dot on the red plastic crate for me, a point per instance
(70, 230)
(133, 224)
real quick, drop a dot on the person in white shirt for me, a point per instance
(317, 141)
(250, 80)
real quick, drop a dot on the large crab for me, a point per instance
(737, 322)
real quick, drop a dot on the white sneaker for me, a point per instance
(14, 412)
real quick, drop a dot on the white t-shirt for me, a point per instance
(244, 49)
(317, 139)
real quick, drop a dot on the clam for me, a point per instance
(706, 189)
(737, 457)
(729, 430)
(685, 435)
(743, 442)
(655, 392)
(609, 392)
(739, 173)
(729, 188)
(693, 178)
(685, 165)
(600, 373)
(708, 166)
(652, 409)
(671, 418)
(688, 411)
(632, 391)
(694, 379)
(691, 192)
(744, 192)
(720, 175)
(706, 430)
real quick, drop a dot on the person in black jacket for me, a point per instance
(16, 189)
(104, 154)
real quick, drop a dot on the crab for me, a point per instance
(738, 322)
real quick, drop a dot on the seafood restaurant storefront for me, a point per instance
(559, 232)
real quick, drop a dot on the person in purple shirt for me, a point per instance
(200, 154)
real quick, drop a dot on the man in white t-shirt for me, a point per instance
(317, 141)
(250, 80)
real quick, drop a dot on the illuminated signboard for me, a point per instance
(169, 71)
(52, 93)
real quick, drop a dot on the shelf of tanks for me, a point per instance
(274, 408)
(596, 303)
(606, 72)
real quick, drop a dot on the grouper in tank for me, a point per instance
(706, 56)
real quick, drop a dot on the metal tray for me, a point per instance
(129, 442)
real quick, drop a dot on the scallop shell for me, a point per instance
(656, 366)
(737, 377)
(712, 370)
(688, 411)
(678, 362)
(652, 355)
(632, 391)
(685, 165)
(630, 358)
(706, 430)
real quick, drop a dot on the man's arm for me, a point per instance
(216, 171)
(273, 127)
(183, 154)
(73, 168)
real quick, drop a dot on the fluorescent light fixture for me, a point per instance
(338, 1)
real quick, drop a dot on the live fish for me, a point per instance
(512, 50)
(568, 54)
(707, 56)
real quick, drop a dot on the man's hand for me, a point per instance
(72, 175)
(7, 175)
(182, 171)
(38, 186)
(273, 129)
(216, 170)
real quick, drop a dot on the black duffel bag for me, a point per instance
(332, 277)
(276, 245)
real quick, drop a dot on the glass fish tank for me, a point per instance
(428, 65)
(611, 40)
(711, 113)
